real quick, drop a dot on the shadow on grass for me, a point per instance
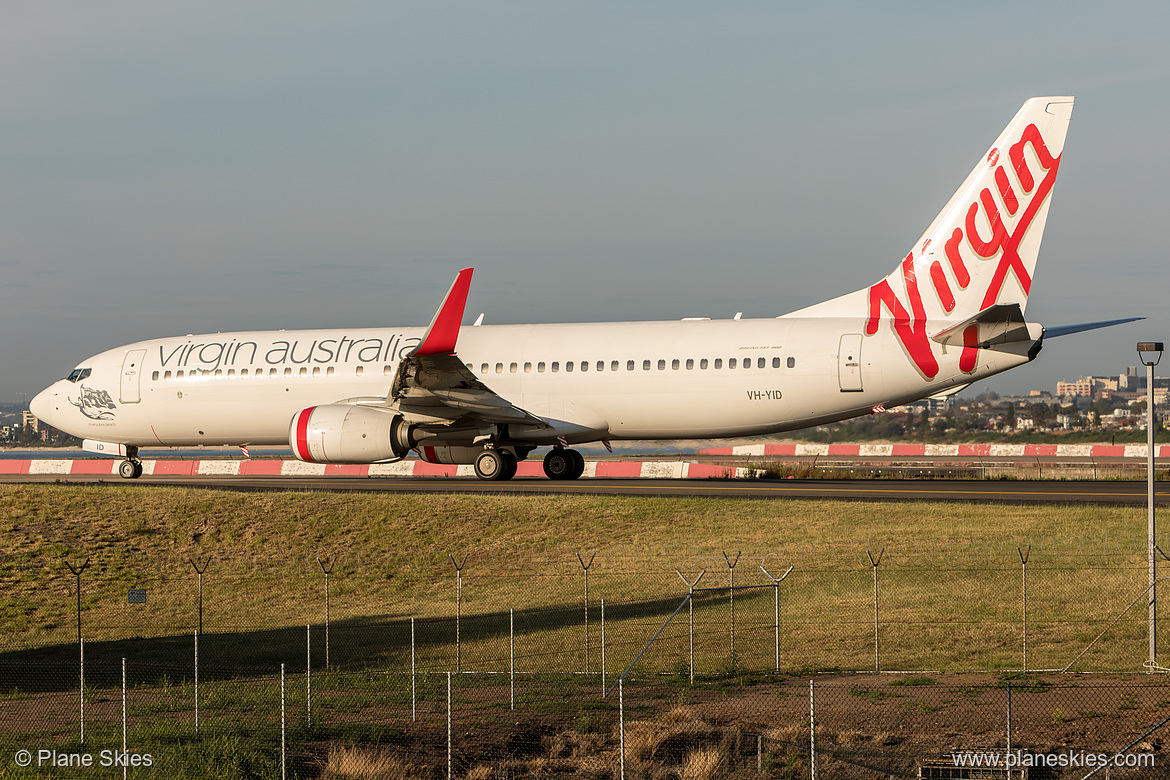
(355, 644)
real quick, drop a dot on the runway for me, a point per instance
(903, 490)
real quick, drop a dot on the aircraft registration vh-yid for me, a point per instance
(951, 313)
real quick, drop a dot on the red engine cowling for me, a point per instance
(339, 433)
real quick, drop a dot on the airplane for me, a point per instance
(950, 313)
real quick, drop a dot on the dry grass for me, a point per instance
(702, 764)
(346, 762)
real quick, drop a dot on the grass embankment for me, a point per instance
(950, 579)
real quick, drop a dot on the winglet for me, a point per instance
(443, 332)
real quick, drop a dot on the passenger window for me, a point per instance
(760, 363)
(731, 363)
(272, 372)
(329, 371)
(703, 364)
(718, 362)
(154, 376)
(540, 367)
(499, 368)
(792, 362)
(747, 362)
(304, 371)
(288, 372)
(775, 362)
(661, 365)
(613, 366)
(483, 369)
(231, 372)
(645, 365)
(601, 365)
(690, 363)
(316, 371)
(387, 370)
(584, 365)
(674, 365)
(629, 365)
(513, 368)
(568, 365)
(527, 368)
(219, 372)
(167, 375)
(556, 366)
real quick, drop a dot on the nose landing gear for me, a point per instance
(131, 468)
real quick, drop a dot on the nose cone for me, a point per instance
(44, 404)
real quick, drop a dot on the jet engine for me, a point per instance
(341, 433)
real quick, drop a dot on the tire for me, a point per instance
(491, 465)
(128, 469)
(578, 464)
(558, 464)
(511, 465)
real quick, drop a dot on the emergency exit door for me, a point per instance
(131, 373)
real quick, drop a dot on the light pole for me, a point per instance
(1154, 350)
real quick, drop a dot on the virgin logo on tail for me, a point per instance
(1001, 243)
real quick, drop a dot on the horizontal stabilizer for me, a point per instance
(1066, 330)
(999, 324)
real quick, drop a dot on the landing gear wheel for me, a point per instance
(511, 465)
(578, 464)
(563, 464)
(494, 465)
(130, 469)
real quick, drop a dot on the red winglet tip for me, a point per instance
(443, 332)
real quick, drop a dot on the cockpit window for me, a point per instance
(79, 374)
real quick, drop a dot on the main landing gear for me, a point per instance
(494, 465)
(560, 463)
(131, 468)
(500, 464)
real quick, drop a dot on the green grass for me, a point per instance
(949, 580)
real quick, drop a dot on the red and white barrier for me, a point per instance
(405, 468)
(943, 450)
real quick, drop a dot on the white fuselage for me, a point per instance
(627, 380)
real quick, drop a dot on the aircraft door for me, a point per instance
(131, 373)
(849, 363)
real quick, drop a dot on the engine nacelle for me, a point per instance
(341, 433)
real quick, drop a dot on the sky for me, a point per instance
(195, 167)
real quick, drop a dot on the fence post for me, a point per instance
(196, 683)
(282, 725)
(308, 676)
(1009, 716)
(332, 562)
(413, 696)
(586, 566)
(877, 666)
(458, 608)
(200, 571)
(123, 714)
(1024, 587)
(449, 749)
(81, 662)
(777, 582)
(603, 648)
(622, 725)
(512, 657)
(812, 730)
(80, 647)
(691, 613)
(731, 569)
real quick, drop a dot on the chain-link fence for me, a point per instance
(714, 657)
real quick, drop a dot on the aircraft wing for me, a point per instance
(432, 385)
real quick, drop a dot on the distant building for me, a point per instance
(29, 420)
